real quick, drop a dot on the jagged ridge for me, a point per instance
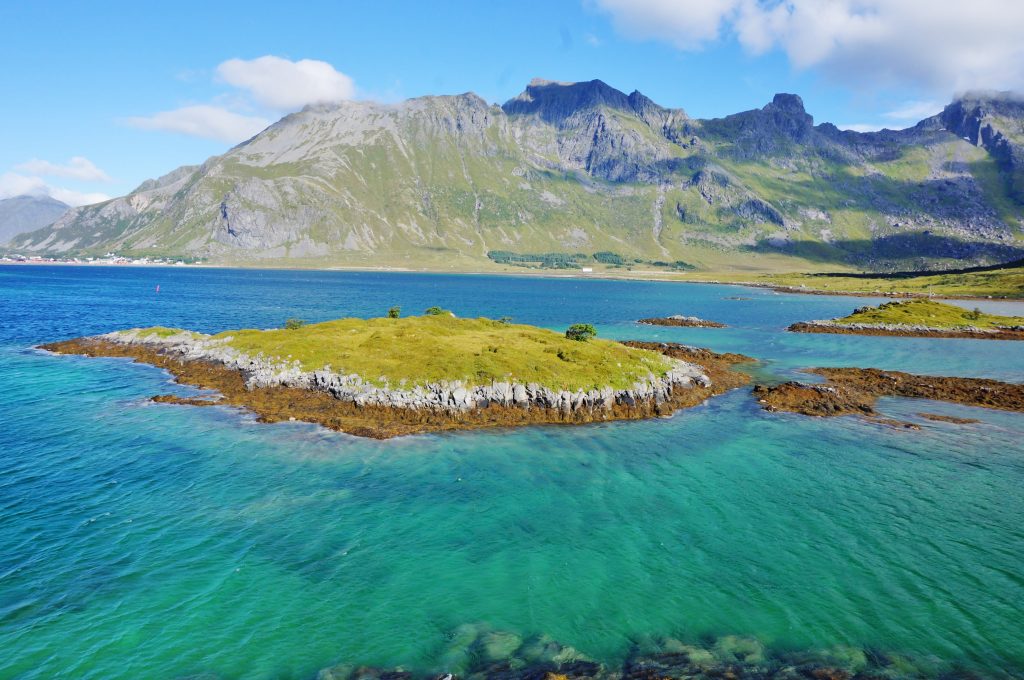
(578, 167)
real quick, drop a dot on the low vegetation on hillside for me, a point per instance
(559, 260)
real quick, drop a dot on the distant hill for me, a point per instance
(566, 170)
(27, 213)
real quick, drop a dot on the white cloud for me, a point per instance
(915, 111)
(287, 85)
(78, 167)
(203, 120)
(77, 198)
(687, 24)
(14, 184)
(270, 84)
(860, 127)
(940, 46)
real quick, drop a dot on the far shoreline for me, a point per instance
(659, 277)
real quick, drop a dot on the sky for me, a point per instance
(98, 97)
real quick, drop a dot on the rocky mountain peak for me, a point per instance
(969, 114)
(555, 101)
(787, 103)
(995, 121)
(788, 114)
(643, 105)
(26, 213)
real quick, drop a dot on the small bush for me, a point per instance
(581, 332)
(974, 314)
(394, 312)
(435, 311)
(505, 319)
(292, 324)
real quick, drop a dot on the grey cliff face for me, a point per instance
(995, 122)
(596, 128)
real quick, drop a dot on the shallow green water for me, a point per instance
(142, 540)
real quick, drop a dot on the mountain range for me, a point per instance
(22, 214)
(566, 170)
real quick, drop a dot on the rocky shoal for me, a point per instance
(683, 321)
(905, 330)
(855, 391)
(278, 391)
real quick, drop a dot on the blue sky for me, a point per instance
(100, 96)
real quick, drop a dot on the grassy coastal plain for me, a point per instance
(786, 273)
(1003, 282)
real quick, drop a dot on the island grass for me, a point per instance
(425, 349)
(161, 332)
(929, 313)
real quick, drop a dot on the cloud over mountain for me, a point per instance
(269, 85)
(939, 46)
(285, 85)
(15, 184)
(203, 120)
(78, 167)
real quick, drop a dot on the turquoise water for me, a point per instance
(141, 540)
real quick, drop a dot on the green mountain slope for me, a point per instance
(578, 168)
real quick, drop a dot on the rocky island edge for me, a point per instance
(429, 373)
(921, 319)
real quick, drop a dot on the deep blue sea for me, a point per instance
(152, 541)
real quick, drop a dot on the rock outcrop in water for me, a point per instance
(906, 330)
(681, 321)
(280, 391)
(854, 391)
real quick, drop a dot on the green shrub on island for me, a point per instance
(581, 332)
(436, 311)
(292, 324)
(394, 312)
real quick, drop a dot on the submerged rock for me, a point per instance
(734, 648)
(503, 655)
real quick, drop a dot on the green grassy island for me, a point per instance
(419, 350)
(383, 377)
(923, 318)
